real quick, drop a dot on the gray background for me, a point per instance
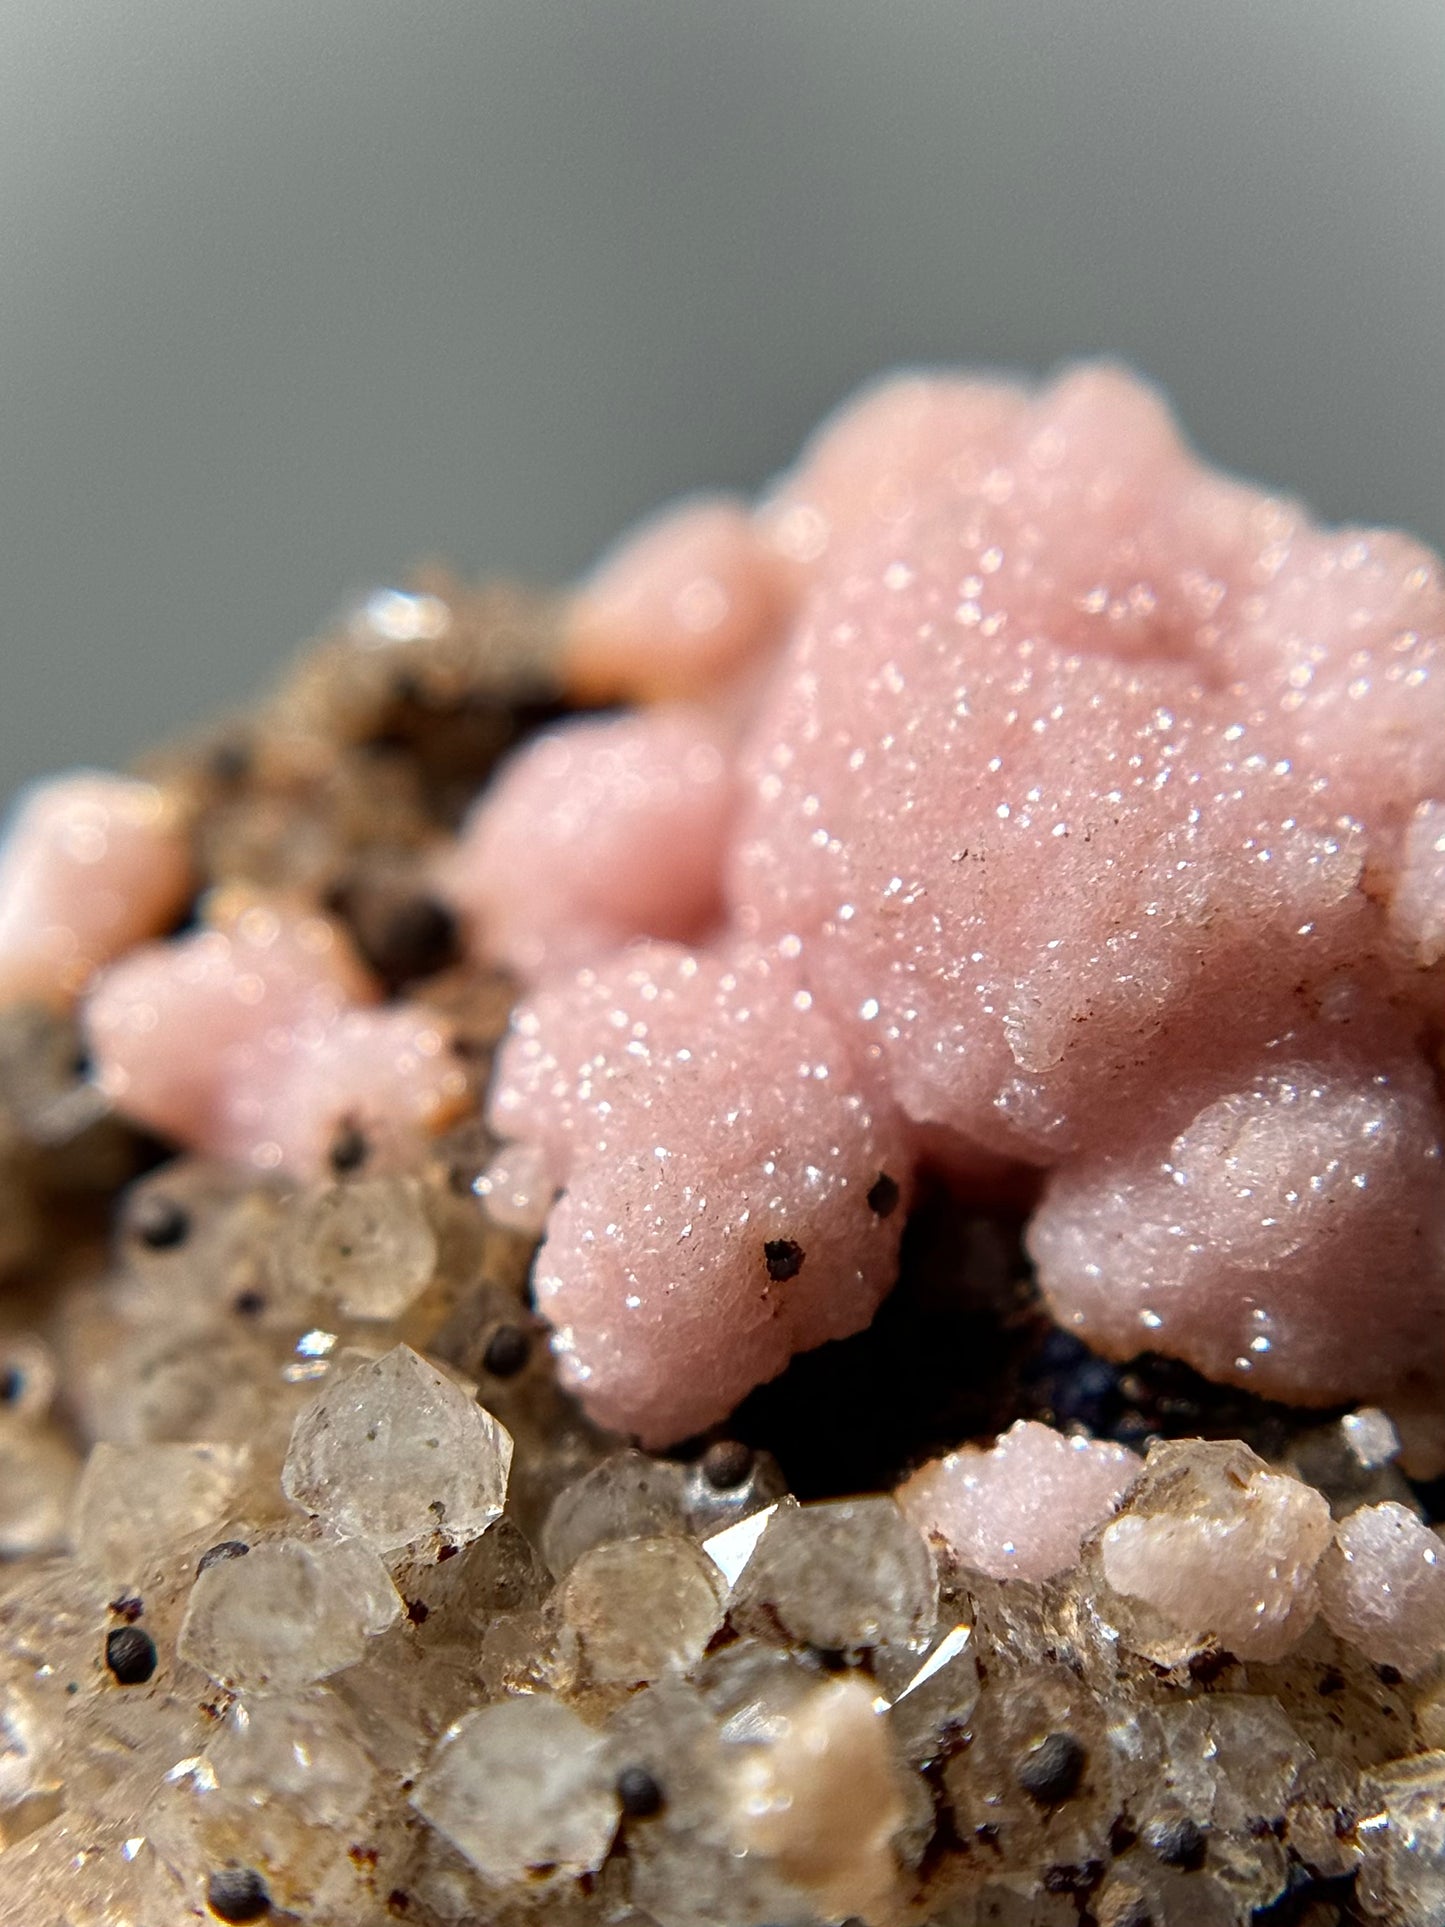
(294, 292)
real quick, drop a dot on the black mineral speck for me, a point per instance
(227, 1549)
(403, 934)
(1050, 1772)
(416, 938)
(508, 1350)
(639, 1793)
(130, 1653)
(160, 1223)
(12, 1384)
(784, 1259)
(883, 1195)
(1176, 1840)
(726, 1464)
(230, 762)
(349, 1149)
(238, 1894)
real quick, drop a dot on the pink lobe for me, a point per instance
(91, 864)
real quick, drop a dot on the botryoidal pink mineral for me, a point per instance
(1006, 796)
(1086, 823)
(1004, 805)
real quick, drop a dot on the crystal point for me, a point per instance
(522, 1788)
(398, 1454)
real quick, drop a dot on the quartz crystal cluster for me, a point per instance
(761, 1246)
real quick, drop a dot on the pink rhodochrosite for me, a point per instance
(621, 825)
(1006, 841)
(1023, 1508)
(258, 1037)
(1013, 797)
(718, 1154)
(91, 865)
(1090, 798)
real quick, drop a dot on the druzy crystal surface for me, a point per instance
(1067, 747)
(762, 1245)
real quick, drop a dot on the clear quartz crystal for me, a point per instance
(844, 1576)
(83, 1872)
(288, 1613)
(37, 1469)
(522, 1788)
(518, 1654)
(1138, 1888)
(285, 1788)
(1351, 1461)
(165, 1380)
(731, 1547)
(687, 1870)
(1232, 1764)
(635, 1609)
(1045, 1773)
(464, 1594)
(222, 1223)
(931, 1694)
(365, 1247)
(1401, 1831)
(397, 1453)
(133, 1498)
(627, 1496)
(1372, 1436)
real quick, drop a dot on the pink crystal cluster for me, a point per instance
(254, 1036)
(1083, 820)
(93, 863)
(1006, 796)
(1022, 1508)
(258, 1035)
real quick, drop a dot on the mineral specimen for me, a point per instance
(638, 1608)
(822, 1802)
(629, 815)
(843, 1577)
(1382, 1587)
(766, 1231)
(1212, 1540)
(1020, 841)
(397, 1454)
(132, 1498)
(523, 1788)
(1023, 1508)
(92, 864)
(256, 1038)
(1066, 740)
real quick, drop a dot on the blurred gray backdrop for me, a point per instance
(295, 292)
